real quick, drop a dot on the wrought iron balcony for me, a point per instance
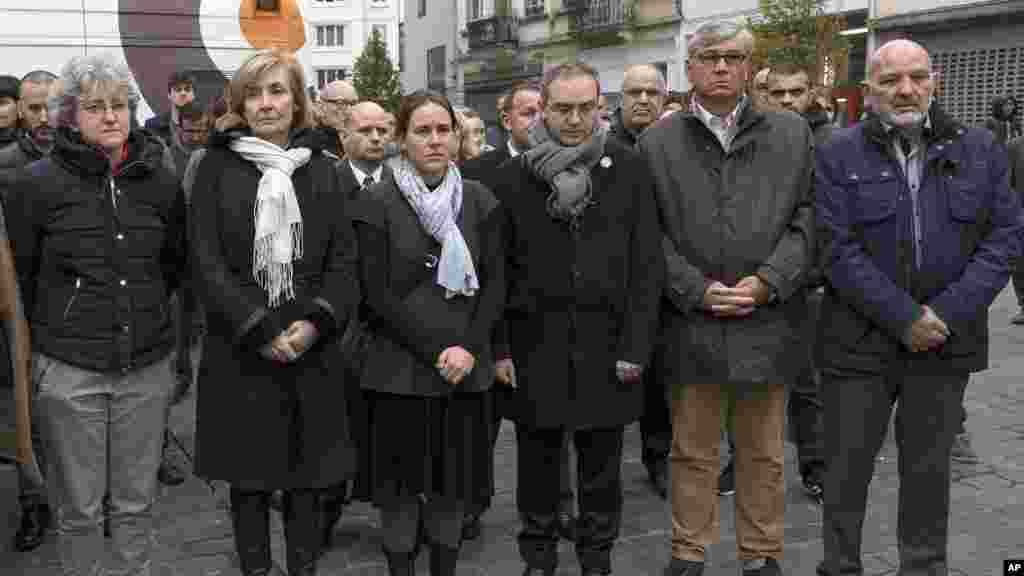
(492, 31)
(597, 14)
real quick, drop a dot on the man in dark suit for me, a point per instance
(366, 133)
(521, 105)
(585, 275)
(180, 91)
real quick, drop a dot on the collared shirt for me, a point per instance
(912, 166)
(512, 149)
(361, 176)
(724, 129)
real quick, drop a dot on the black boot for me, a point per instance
(35, 517)
(251, 522)
(332, 504)
(300, 512)
(401, 563)
(443, 560)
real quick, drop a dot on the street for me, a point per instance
(986, 523)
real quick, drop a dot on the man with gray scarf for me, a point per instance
(585, 273)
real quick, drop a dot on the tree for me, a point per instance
(374, 77)
(800, 32)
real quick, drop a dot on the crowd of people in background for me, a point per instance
(369, 293)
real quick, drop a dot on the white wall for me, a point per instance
(358, 18)
(436, 28)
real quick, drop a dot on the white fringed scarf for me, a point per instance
(278, 240)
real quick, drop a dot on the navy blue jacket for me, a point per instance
(970, 236)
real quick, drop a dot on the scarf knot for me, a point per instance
(278, 220)
(437, 211)
(565, 168)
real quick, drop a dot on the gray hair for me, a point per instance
(39, 77)
(662, 84)
(717, 32)
(80, 74)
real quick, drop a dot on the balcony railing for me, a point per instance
(492, 31)
(597, 14)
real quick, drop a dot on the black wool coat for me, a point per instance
(581, 300)
(260, 424)
(410, 319)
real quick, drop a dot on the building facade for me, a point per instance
(337, 31)
(208, 37)
(977, 48)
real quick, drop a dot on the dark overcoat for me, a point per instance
(580, 300)
(260, 424)
(725, 216)
(410, 319)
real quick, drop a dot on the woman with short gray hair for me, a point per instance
(98, 245)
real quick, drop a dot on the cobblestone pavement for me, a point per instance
(986, 523)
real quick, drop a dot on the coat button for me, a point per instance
(120, 236)
(123, 282)
(124, 328)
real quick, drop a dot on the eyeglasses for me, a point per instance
(98, 107)
(340, 102)
(638, 93)
(712, 58)
(794, 93)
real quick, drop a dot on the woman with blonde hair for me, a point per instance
(273, 260)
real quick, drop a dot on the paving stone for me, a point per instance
(986, 518)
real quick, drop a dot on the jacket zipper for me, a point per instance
(74, 296)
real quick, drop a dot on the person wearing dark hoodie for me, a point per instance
(1003, 122)
(33, 142)
(98, 248)
(789, 88)
(8, 109)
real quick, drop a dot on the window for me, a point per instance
(422, 11)
(382, 31)
(436, 69)
(479, 9)
(267, 5)
(330, 35)
(534, 8)
(379, 3)
(325, 76)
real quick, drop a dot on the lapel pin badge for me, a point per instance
(606, 162)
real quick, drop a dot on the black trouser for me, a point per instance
(858, 407)
(599, 486)
(655, 425)
(251, 522)
(805, 406)
(1018, 281)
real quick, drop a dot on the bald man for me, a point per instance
(643, 96)
(919, 231)
(335, 101)
(366, 132)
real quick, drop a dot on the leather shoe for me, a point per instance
(532, 571)
(567, 525)
(679, 567)
(657, 475)
(169, 474)
(765, 567)
(471, 527)
(35, 518)
(331, 508)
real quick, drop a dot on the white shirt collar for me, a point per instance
(361, 176)
(512, 149)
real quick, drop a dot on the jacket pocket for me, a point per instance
(966, 210)
(876, 199)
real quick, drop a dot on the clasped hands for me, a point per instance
(291, 344)
(740, 300)
(505, 372)
(927, 332)
(455, 363)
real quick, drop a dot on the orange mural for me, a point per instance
(281, 28)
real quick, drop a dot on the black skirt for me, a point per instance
(425, 445)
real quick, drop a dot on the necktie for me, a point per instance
(905, 146)
(367, 182)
